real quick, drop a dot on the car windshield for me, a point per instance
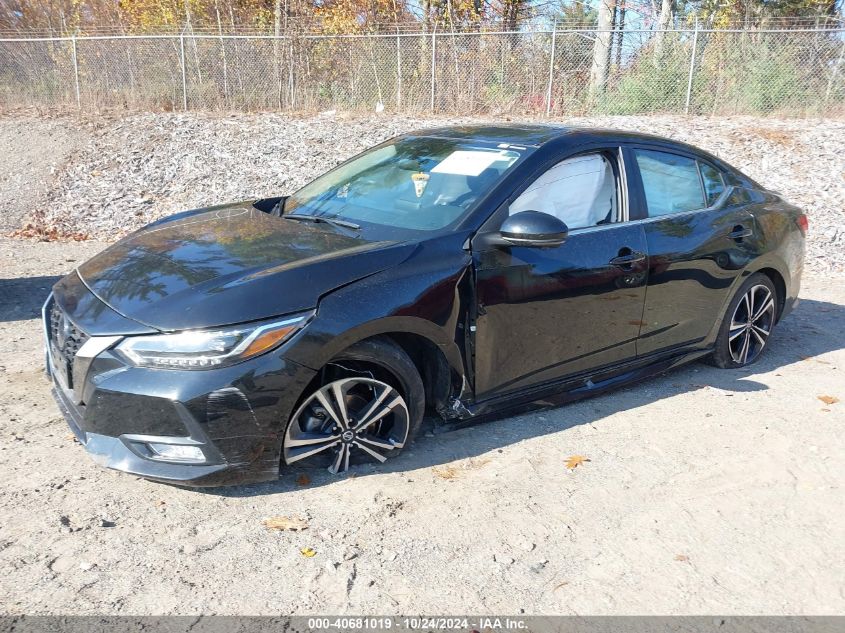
(413, 183)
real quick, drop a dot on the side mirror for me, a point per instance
(533, 228)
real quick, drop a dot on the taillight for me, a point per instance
(803, 224)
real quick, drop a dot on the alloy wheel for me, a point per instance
(345, 419)
(751, 324)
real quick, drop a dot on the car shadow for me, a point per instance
(21, 298)
(815, 328)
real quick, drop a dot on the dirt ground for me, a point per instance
(706, 491)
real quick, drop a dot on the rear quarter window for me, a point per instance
(714, 183)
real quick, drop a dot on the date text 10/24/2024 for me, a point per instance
(469, 625)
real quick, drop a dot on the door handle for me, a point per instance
(739, 232)
(625, 261)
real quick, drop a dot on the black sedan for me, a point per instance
(454, 272)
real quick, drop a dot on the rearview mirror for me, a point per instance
(533, 228)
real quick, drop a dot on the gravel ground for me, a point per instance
(136, 168)
(707, 491)
(32, 152)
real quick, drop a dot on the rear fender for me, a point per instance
(765, 261)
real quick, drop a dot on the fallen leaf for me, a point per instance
(448, 472)
(284, 523)
(453, 472)
(719, 392)
(303, 480)
(682, 558)
(477, 462)
(828, 399)
(815, 360)
(45, 234)
(307, 552)
(575, 461)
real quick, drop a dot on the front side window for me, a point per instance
(414, 183)
(580, 191)
(671, 182)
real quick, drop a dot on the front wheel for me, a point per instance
(368, 407)
(748, 324)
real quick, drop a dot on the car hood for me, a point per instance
(229, 264)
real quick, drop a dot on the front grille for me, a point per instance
(65, 337)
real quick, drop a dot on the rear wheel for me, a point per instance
(748, 324)
(367, 406)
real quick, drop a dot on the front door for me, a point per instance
(550, 312)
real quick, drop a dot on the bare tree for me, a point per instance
(667, 17)
(620, 30)
(601, 48)
(277, 27)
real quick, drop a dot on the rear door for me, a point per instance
(546, 313)
(697, 243)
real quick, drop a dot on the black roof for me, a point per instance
(535, 135)
(519, 133)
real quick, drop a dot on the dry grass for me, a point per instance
(774, 135)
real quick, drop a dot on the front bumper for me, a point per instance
(234, 415)
(115, 452)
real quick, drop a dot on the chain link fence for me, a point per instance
(797, 72)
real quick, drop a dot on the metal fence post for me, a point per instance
(398, 74)
(76, 72)
(833, 74)
(691, 67)
(291, 79)
(551, 71)
(184, 74)
(433, 62)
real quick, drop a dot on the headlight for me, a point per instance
(204, 349)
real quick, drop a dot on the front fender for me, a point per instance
(426, 295)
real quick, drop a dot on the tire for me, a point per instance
(368, 405)
(741, 341)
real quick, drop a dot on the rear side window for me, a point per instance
(671, 182)
(714, 184)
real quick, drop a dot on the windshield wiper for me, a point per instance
(319, 218)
